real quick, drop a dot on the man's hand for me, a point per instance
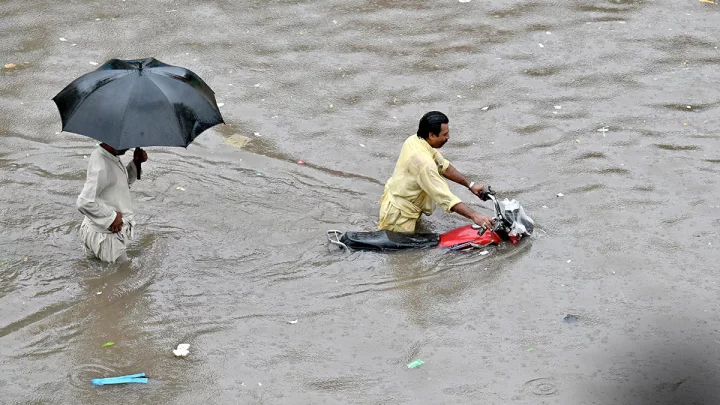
(485, 222)
(140, 156)
(477, 189)
(117, 224)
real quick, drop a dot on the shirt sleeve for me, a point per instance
(88, 204)
(131, 172)
(442, 163)
(431, 182)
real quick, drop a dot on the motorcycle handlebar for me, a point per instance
(486, 193)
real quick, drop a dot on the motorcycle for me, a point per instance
(511, 225)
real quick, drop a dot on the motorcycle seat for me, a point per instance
(387, 240)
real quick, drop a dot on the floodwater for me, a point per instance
(614, 104)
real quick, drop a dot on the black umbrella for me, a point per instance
(135, 103)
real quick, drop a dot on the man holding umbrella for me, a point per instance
(129, 104)
(105, 202)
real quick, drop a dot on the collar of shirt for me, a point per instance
(113, 158)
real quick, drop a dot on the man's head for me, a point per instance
(434, 128)
(113, 150)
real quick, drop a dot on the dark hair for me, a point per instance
(431, 122)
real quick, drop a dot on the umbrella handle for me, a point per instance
(138, 165)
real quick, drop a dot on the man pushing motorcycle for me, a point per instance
(417, 184)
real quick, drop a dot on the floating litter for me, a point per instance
(180, 188)
(293, 322)
(63, 40)
(560, 195)
(416, 363)
(182, 350)
(221, 104)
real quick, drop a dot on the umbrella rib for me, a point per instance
(77, 106)
(122, 126)
(177, 124)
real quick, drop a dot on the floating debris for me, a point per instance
(332, 106)
(10, 66)
(570, 318)
(108, 344)
(221, 104)
(180, 188)
(707, 1)
(416, 363)
(125, 379)
(464, 1)
(541, 45)
(237, 140)
(182, 350)
(63, 40)
(485, 108)
(300, 162)
(293, 322)
(569, 261)
(94, 63)
(558, 107)
(560, 195)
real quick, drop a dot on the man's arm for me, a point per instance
(430, 181)
(451, 173)
(88, 204)
(133, 168)
(467, 212)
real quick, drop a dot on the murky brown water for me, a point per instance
(632, 247)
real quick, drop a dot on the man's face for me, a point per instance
(437, 141)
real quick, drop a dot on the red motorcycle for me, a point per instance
(511, 225)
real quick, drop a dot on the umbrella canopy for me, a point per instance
(135, 103)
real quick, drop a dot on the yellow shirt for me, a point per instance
(417, 183)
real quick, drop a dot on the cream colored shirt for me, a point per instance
(417, 183)
(106, 190)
